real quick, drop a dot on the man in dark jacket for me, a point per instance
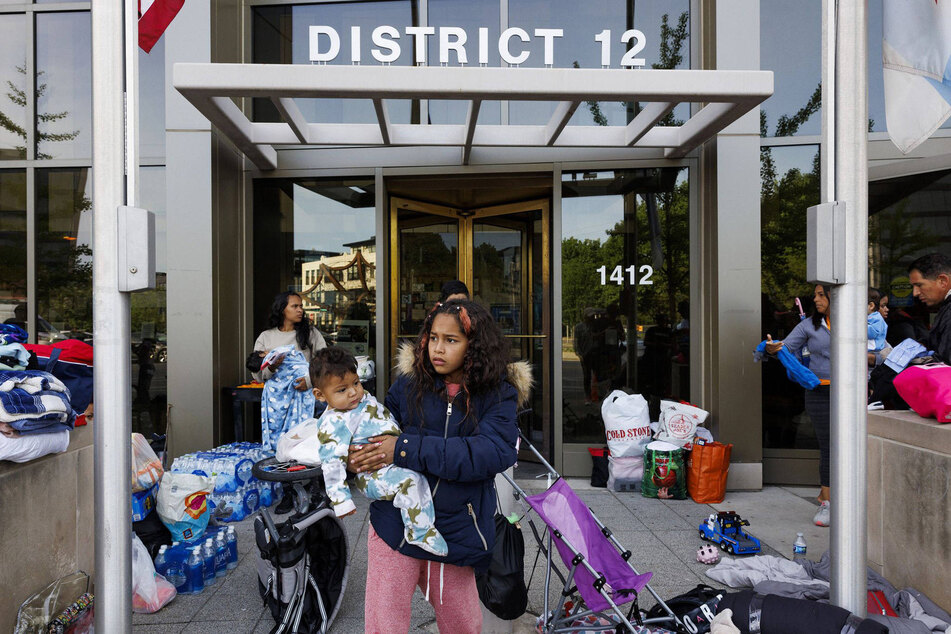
(930, 277)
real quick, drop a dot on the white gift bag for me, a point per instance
(679, 422)
(626, 423)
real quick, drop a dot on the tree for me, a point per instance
(17, 97)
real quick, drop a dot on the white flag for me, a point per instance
(916, 56)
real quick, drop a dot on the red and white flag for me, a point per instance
(154, 18)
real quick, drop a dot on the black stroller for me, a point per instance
(304, 564)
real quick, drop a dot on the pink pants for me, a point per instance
(392, 578)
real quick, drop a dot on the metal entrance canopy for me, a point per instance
(725, 96)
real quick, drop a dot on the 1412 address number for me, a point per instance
(617, 275)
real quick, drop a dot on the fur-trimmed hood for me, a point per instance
(519, 373)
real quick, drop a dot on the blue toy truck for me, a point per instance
(725, 529)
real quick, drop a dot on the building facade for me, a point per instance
(607, 268)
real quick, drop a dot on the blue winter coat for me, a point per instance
(460, 462)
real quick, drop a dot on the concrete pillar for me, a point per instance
(730, 273)
(190, 295)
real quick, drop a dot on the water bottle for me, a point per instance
(799, 546)
(208, 556)
(806, 356)
(161, 565)
(232, 541)
(175, 567)
(194, 572)
(221, 556)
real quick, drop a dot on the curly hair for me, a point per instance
(331, 361)
(276, 318)
(486, 357)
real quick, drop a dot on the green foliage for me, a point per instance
(894, 239)
(581, 287)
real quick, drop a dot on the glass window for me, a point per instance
(579, 48)
(790, 184)
(152, 102)
(64, 253)
(63, 85)
(280, 35)
(625, 290)
(470, 15)
(291, 220)
(149, 320)
(13, 52)
(791, 47)
(13, 247)
(908, 218)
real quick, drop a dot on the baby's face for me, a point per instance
(341, 392)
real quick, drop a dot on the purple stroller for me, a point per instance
(598, 578)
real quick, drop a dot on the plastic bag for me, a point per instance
(664, 475)
(626, 423)
(37, 611)
(625, 474)
(678, 423)
(183, 504)
(150, 590)
(502, 587)
(300, 443)
(707, 470)
(146, 467)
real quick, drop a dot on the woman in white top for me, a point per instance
(288, 324)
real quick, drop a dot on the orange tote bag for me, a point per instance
(707, 469)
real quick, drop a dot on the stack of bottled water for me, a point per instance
(237, 492)
(193, 566)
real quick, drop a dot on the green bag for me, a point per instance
(665, 476)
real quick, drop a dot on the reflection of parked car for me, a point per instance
(725, 529)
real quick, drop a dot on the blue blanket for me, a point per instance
(34, 402)
(794, 370)
(282, 406)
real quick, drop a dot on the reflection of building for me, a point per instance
(334, 284)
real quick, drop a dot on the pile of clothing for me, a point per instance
(35, 415)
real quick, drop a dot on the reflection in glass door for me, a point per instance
(501, 253)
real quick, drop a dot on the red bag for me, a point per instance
(707, 469)
(927, 390)
(878, 604)
(70, 361)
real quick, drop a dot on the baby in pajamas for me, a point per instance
(353, 417)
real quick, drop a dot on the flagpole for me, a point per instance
(111, 337)
(849, 300)
(131, 54)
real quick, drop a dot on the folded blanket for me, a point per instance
(11, 333)
(34, 402)
(31, 381)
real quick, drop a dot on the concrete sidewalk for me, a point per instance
(661, 533)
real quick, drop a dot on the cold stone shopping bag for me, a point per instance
(626, 423)
(627, 430)
(707, 468)
(664, 472)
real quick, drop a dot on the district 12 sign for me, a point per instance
(325, 44)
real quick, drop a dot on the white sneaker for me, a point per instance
(823, 515)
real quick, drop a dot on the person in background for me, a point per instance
(930, 278)
(453, 290)
(877, 328)
(816, 333)
(288, 324)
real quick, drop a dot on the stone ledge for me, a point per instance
(909, 428)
